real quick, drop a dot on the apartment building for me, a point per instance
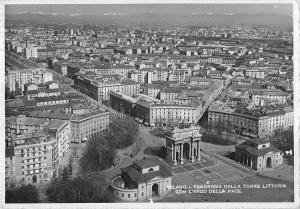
(31, 52)
(275, 96)
(255, 73)
(60, 130)
(33, 91)
(16, 125)
(122, 70)
(201, 81)
(256, 123)
(35, 157)
(41, 75)
(100, 90)
(21, 124)
(148, 75)
(168, 94)
(17, 78)
(162, 113)
(86, 126)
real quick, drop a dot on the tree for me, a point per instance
(97, 155)
(283, 139)
(89, 187)
(23, 194)
(122, 133)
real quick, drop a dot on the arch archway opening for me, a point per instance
(186, 150)
(269, 162)
(154, 190)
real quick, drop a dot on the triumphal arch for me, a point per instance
(183, 143)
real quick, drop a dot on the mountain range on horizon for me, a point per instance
(156, 18)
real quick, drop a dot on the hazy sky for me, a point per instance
(94, 9)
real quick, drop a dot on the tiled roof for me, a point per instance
(56, 124)
(138, 177)
(86, 115)
(257, 152)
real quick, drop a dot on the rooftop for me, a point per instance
(255, 151)
(145, 163)
(23, 120)
(77, 117)
(138, 177)
(56, 124)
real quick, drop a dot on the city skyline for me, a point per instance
(129, 9)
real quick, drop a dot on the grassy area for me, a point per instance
(157, 151)
(158, 132)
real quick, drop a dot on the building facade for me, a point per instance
(17, 78)
(35, 157)
(275, 96)
(143, 180)
(260, 124)
(101, 91)
(60, 129)
(258, 154)
(86, 126)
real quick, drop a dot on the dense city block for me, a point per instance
(109, 112)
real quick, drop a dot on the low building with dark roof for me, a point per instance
(142, 180)
(258, 154)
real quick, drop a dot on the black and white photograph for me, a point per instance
(155, 103)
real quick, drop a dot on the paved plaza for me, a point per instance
(206, 171)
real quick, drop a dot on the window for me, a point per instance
(122, 194)
(134, 194)
(128, 195)
(142, 193)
